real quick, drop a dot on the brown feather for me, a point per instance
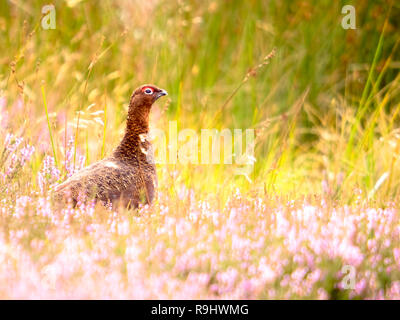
(129, 175)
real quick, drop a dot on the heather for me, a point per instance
(315, 213)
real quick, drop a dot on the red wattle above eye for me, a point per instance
(147, 90)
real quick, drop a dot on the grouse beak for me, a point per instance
(161, 93)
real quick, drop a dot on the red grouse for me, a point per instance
(129, 175)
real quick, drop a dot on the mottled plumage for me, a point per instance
(129, 175)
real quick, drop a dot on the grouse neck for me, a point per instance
(137, 127)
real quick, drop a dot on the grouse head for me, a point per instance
(139, 107)
(147, 94)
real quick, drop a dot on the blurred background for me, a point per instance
(325, 107)
(319, 207)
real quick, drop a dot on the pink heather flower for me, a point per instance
(267, 273)
(322, 294)
(69, 158)
(19, 105)
(360, 286)
(325, 187)
(315, 276)
(247, 287)
(396, 254)
(198, 279)
(4, 117)
(20, 204)
(12, 143)
(3, 102)
(26, 154)
(14, 158)
(48, 174)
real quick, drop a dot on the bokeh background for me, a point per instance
(200, 51)
(325, 109)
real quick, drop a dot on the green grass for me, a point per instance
(49, 126)
(324, 189)
(200, 52)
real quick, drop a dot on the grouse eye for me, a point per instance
(148, 91)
